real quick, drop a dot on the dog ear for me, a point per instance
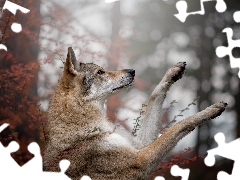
(71, 65)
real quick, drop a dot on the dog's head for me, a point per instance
(92, 81)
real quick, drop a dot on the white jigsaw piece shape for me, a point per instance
(222, 51)
(159, 178)
(10, 170)
(236, 16)
(227, 150)
(7, 164)
(182, 9)
(177, 171)
(12, 7)
(16, 27)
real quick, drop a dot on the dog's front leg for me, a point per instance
(149, 157)
(151, 123)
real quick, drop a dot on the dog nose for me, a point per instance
(130, 71)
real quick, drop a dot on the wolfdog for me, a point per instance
(79, 130)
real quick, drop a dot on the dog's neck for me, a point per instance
(101, 105)
(85, 115)
(102, 121)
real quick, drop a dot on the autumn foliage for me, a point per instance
(18, 77)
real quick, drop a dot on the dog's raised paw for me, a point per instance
(219, 107)
(177, 71)
(181, 69)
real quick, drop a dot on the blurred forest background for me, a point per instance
(143, 35)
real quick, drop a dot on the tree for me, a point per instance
(19, 68)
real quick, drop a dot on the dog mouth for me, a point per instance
(123, 86)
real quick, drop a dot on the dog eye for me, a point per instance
(100, 72)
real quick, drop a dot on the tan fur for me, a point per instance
(77, 117)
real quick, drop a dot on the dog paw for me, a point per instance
(175, 73)
(218, 108)
(204, 116)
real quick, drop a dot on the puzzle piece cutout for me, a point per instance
(222, 51)
(182, 9)
(159, 178)
(16, 27)
(227, 150)
(236, 16)
(177, 171)
(32, 169)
